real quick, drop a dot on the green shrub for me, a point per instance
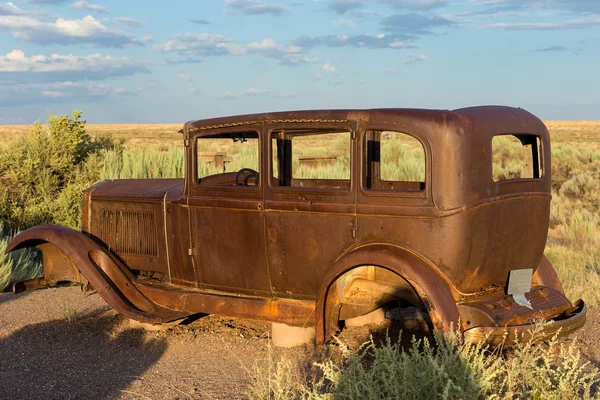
(17, 266)
(570, 160)
(448, 368)
(584, 189)
(45, 173)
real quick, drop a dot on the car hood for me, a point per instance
(151, 190)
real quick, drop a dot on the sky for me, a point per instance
(170, 62)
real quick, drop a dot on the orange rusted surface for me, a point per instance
(260, 243)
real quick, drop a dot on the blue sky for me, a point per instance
(169, 62)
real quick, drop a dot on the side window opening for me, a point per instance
(395, 162)
(516, 157)
(311, 158)
(230, 159)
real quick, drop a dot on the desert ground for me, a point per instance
(59, 344)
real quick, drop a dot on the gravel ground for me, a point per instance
(60, 344)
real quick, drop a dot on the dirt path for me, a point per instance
(58, 344)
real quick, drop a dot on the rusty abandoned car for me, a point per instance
(398, 206)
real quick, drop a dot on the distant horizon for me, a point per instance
(183, 122)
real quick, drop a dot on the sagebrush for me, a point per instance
(447, 368)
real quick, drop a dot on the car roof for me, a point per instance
(483, 118)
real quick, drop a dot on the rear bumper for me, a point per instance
(565, 324)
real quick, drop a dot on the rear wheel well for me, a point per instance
(363, 289)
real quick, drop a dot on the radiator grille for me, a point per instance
(129, 232)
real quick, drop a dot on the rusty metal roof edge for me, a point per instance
(461, 116)
(342, 115)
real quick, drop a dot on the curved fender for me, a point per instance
(433, 289)
(111, 279)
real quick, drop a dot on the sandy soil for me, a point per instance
(60, 344)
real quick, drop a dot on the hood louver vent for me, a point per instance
(129, 232)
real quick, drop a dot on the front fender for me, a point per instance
(109, 277)
(431, 287)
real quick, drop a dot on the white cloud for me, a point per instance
(343, 6)
(207, 45)
(344, 22)
(401, 45)
(199, 21)
(184, 76)
(588, 22)
(296, 59)
(255, 92)
(85, 6)
(366, 40)
(127, 21)
(252, 92)
(65, 31)
(228, 96)
(15, 65)
(330, 68)
(203, 44)
(414, 58)
(189, 80)
(247, 92)
(10, 9)
(253, 7)
(49, 93)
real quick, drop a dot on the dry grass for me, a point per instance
(153, 135)
(578, 133)
(166, 135)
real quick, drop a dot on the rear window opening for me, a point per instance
(516, 157)
(395, 162)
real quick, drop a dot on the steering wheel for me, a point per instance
(250, 172)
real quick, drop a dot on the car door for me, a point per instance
(226, 217)
(310, 220)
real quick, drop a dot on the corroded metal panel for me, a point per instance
(129, 232)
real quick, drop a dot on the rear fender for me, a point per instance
(545, 275)
(69, 255)
(432, 288)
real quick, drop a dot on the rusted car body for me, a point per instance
(315, 252)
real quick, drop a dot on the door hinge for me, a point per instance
(191, 251)
(353, 233)
(353, 134)
(186, 142)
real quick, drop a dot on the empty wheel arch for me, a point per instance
(368, 278)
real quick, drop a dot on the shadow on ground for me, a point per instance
(82, 358)
(7, 296)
